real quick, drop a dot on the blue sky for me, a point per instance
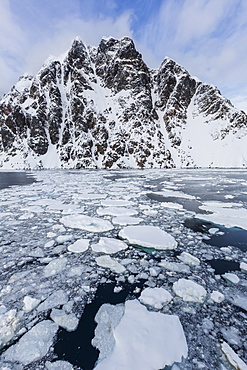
(207, 37)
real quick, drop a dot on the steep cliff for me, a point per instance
(104, 108)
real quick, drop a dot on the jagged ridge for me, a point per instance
(104, 108)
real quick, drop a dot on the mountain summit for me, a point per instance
(104, 108)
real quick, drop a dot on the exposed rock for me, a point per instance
(104, 108)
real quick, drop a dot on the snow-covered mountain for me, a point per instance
(104, 108)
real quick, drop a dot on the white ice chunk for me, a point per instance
(174, 266)
(58, 365)
(243, 266)
(233, 278)
(189, 259)
(64, 238)
(217, 297)
(150, 212)
(213, 230)
(81, 245)
(174, 194)
(232, 357)
(231, 335)
(92, 224)
(76, 270)
(116, 203)
(30, 303)
(26, 216)
(149, 237)
(9, 323)
(107, 318)
(116, 211)
(228, 214)
(108, 262)
(171, 205)
(145, 340)
(90, 196)
(236, 297)
(34, 344)
(49, 244)
(66, 321)
(58, 227)
(109, 245)
(156, 297)
(51, 235)
(57, 298)
(189, 291)
(55, 266)
(126, 220)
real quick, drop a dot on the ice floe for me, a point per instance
(175, 266)
(30, 303)
(189, 291)
(228, 214)
(34, 344)
(149, 237)
(189, 259)
(66, 321)
(108, 262)
(155, 297)
(144, 340)
(55, 266)
(232, 357)
(171, 205)
(64, 238)
(57, 298)
(58, 365)
(51, 270)
(174, 194)
(107, 318)
(116, 211)
(243, 266)
(9, 323)
(116, 203)
(109, 245)
(231, 335)
(92, 224)
(81, 245)
(237, 298)
(126, 220)
(217, 297)
(233, 278)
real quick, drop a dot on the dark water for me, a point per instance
(75, 347)
(232, 236)
(223, 266)
(15, 178)
(190, 205)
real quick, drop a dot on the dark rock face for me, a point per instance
(104, 108)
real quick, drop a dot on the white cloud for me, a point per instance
(12, 47)
(207, 37)
(66, 30)
(19, 54)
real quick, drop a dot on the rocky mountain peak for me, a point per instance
(104, 108)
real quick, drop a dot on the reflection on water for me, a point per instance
(15, 178)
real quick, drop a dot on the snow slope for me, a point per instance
(104, 108)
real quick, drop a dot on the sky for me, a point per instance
(207, 37)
